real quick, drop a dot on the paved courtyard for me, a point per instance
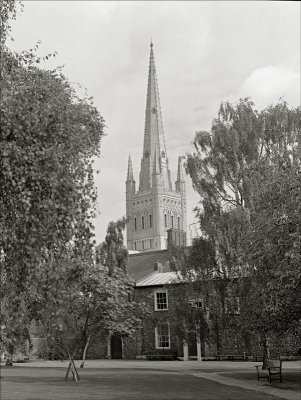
(129, 380)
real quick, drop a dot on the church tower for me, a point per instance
(155, 207)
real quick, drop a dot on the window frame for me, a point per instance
(165, 291)
(157, 339)
(195, 303)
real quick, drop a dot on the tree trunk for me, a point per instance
(72, 368)
(109, 356)
(85, 352)
(266, 349)
(9, 362)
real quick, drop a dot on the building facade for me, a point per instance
(156, 206)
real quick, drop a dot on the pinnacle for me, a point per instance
(130, 176)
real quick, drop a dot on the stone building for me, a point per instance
(155, 282)
(156, 206)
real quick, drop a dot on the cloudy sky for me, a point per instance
(205, 52)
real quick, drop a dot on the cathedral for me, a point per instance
(156, 207)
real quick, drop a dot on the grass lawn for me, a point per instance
(20, 383)
(291, 379)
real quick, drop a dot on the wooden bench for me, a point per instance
(231, 357)
(273, 368)
(161, 355)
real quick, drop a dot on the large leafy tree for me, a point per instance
(102, 301)
(243, 170)
(49, 137)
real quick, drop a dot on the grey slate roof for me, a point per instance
(142, 264)
(158, 278)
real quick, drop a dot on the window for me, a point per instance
(172, 221)
(179, 223)
(196, 303)
(142, 222)
(150, 221)
(161, 301)
(162, 336)
(135, 224)
(165, 220)
(151, 243)
(135, 245)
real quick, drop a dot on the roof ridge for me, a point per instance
(148, 252)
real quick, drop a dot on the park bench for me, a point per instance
(273, 368)
(161, 355)
(231, 357)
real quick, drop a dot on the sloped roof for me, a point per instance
(142, 264)
(157, 278)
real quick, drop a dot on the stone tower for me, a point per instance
(155, 207)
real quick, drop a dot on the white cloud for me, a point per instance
(268, 84)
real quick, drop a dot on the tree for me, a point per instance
(242, 170)
(275, 252)
(112, 252)
(49, 137)
(205, 302)
(100, 301)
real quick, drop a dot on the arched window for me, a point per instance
(135, 224)
(179, 223)
(142, 222)
(150, 221)
(172, 221)
(165, 220)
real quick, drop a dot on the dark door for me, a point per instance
(192, 348)
(116, 347)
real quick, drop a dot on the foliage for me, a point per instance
(112, 253)
(49, 137)
(8, 11)
(247, 173)
(100, 301)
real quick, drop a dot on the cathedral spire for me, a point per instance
(154, 140)
(155, 208)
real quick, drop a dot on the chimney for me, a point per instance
(158, 267)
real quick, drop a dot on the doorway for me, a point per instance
(116, 346)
